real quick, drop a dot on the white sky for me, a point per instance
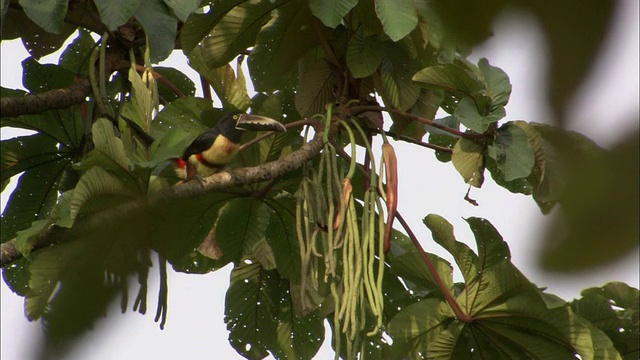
(195, 326)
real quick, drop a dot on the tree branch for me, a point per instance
(362, 108)
(218, 181)
(57, 98)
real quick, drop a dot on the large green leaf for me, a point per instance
(160, 26)
(396, 69)
(27, 152)
(570, 60)
(114, 13)
(250, 310)
(180, 226)
(599, 204)
(242, 221)
(364, 54)
(468, 159)
(613, 309)
(200, 25)
(75, 57)
(398, 17)
(498, 87)
(34, 197)
(282, 237)
(407, 263)
(176, 78)
(511, 317)
(99, 189)
(183, 8)
(231, 89)
(512, 152)
(16, 24)
(236, 31)
(296, 337)
(280, 44)
(455, 79)
(48, 14)
(331, 12)
(468, 114)
(315, 89)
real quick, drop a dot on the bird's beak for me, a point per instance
(258, 123)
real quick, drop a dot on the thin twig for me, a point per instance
(362, 108)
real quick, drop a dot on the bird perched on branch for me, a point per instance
(215, 148)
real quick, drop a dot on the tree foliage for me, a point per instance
(310, 230)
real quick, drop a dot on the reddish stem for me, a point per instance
(362, 108)
(461, 315)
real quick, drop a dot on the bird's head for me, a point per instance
(256, 122)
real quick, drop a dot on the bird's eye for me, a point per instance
(235, 117)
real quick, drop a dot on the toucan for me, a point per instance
(212, 150)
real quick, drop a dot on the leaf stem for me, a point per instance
(461, 315)
(362, 108)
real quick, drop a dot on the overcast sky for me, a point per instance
(195, 326)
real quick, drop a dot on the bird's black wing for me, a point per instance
(201, 143)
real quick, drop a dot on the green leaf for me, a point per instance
(231, 89)
(281, 236)
(46, 269)
(455, 79)
(297, 337)
(395, 74)
(613, 309)
(200, 25)
(510, 315)
(34, 197)
(183, 8)
(183, 116)
(41, 78)
(177, 79)
(99, 189)
(26, 238)
(160, 26)
(315, 89)
(468, 159)
(570, 61)
(498, 87)
(279, 46)
(177, 236)
(512, 152)
(117, 12)
(236, 31)
(442, 232)
(331, 12)
(250, 306)
(242, 222)
(108, 151)
(467, 113)
(599, 204)
(48, 14)
(407, 262)
(398, 17)
(74, 57)
(38, 43)
(25, 153)
(364, 54)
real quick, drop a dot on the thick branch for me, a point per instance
(57, 98)
(218, 181)
(50, 100)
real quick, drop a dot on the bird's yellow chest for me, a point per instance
(222, 151)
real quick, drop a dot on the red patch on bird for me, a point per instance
(201, 159)
(181, 163)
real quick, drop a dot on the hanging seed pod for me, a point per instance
(391, 170)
